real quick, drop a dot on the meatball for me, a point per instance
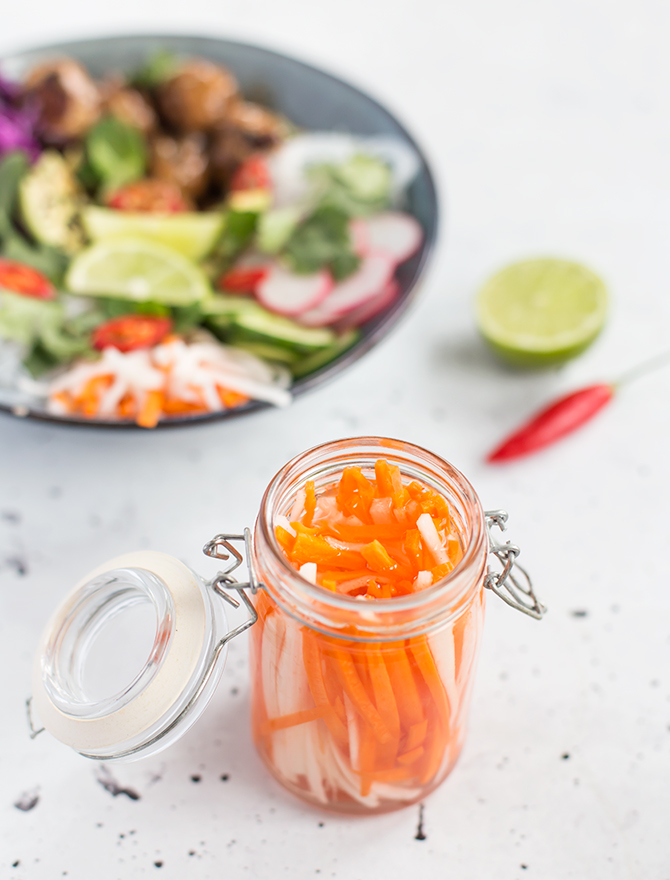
(259, 125)
(183, 161)
(66, 99)
(128, 105)
(229, 147)
(198, 97)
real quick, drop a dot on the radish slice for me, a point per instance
(373, 275)
(308, 571)
(371, 309)
(289, 294)
(360, 237)
(431, 539)
(398, 235)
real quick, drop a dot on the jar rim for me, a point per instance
(400, 453)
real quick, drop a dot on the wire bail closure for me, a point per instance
(517, 593)
(220, 547)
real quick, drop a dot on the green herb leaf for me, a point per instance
(322, 241)
(51, 261)
(117, 153)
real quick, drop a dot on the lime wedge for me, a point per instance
(192, 233)
(541, 312)
(137, 269)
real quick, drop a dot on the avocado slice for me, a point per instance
(49, 203)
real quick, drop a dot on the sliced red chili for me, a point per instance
(244, 280)
(131, 332)
(153, 196)
(19, 278)
(253, 173)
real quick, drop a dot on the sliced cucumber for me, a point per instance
(267, 326)
(192, 233)
(275, 228)
(318, 359)
(265, 350)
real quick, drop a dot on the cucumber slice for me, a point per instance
(267, 326)
(49, 202)
(192, 233)
(320, 358)
(258, 324)
(265, 350)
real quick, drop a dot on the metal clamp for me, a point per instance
(516, 592)
(221, 548)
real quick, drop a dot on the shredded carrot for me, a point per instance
(310, 503)
(302, 717)
(151, 410)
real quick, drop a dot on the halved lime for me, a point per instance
(137, 269)
(192, 233)
(541, 312)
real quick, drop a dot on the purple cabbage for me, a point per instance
(17, 122)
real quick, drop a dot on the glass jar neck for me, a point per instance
(344, 616)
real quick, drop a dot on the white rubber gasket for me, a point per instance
(167, 685)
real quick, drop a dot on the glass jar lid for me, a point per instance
(130, 658)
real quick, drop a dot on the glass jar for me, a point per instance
(358, 707)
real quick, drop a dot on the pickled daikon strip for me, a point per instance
(367, 721)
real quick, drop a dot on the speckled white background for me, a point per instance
(548, 127)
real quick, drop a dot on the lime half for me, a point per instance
(137, 269)
(192, 233)
(541, 312)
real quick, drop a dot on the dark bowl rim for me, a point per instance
(322, 375)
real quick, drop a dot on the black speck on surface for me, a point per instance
(158, 864)
(234, 691)
(225, 777)
(16, 863)
(18, 563)
(565, 756)
(321, 824)
(196, 778)
(524, 867)
(580, 612)
(28, 801)
(110, 784)
(420, 835)
(11, 516)
(191, 852)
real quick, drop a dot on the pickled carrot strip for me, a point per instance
(295, 718)
(314, 548)
(384, 479)
(426, 663)
(404, 687)
(354, 688)
(310, 503)
(454, 551)
(385, 701)
(416, 735)
(152, 408)
(285, 539)
(367, 748)
(355, 493)
(435, 749)
(441, 571)
(348, 574)
(411, 756)
(312, 660)
(414, 549)
(365, 533)
(376, 557)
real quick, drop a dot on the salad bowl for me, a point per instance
(313, 100)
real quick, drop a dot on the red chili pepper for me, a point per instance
(18, 278)
(244, 280)
(131, 332)
(253, 173)
(554, 422)
(153, 196)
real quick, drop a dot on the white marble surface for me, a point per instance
(547, 123)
